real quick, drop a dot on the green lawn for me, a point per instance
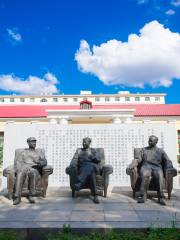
(66, 234)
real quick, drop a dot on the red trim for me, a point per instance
(39, 111)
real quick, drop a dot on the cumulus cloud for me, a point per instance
(14, 35)
(170, 12)
(175, 3)
(32, 85)
(152, 57)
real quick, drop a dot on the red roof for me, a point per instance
(38, 111)
(86, 101)
(148, 109)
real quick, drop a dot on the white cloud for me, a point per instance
(32, 85)
(14, 35)
(142, 1)
(51, 78)
(170, 12)
(152, 57)
(175, 3)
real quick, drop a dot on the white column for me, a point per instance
(63, 120)
(116, 120)
(52, 120)
(128, 120)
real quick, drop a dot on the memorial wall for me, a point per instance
(61, 141)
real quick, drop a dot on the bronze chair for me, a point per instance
(41, 184)
(169, 173)
(102, 179)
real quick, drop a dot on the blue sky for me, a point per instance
(47, 46)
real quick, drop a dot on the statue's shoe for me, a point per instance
(96, 199)
(32, 193)
(31, 199)
(140, 200)
(16, 201)
(77, 186)
(161, 201)
(10, 196)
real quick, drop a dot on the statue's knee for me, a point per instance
(145, 175)
(32, 173)
(21, 174)
(146, 179)
(158, 175)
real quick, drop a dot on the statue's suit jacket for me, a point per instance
(25, 158)
(156, 157)
(77, 160)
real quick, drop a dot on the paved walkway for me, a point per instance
(118, 210)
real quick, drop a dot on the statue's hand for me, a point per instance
(42, 162)
(38, 164)
(131, 166)
(90, 156)
(35, 165)
(170, 169)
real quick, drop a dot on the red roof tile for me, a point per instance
(38, 111)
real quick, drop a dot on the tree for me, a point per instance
(1, 150)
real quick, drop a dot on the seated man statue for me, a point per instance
(87, 160)
(28, 163)
(152, 160)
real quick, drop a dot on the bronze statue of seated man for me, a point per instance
(153, 160)
(87, 160)
(28, 163)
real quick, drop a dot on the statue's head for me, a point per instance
(31, 141)
(152, 141)
(86, 142)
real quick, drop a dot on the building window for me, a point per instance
(55, 99)
(97, 99)
(11, 99)
(157, 99)
(75, 99)
(107, 99)
(65, 99)
(147, 98)
(127, 99)
(85, 99)
(32, 99)
(22, 100)
(137, 99)
(117, 99)
(1, 99)
(85, 104)
(43, 100)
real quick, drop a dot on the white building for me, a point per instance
(60, 121)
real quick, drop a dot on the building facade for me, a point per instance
(88, 108)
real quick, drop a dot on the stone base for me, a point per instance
(118, 211)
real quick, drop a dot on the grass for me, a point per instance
(152, 234)
(66, 234)
(10, 235)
